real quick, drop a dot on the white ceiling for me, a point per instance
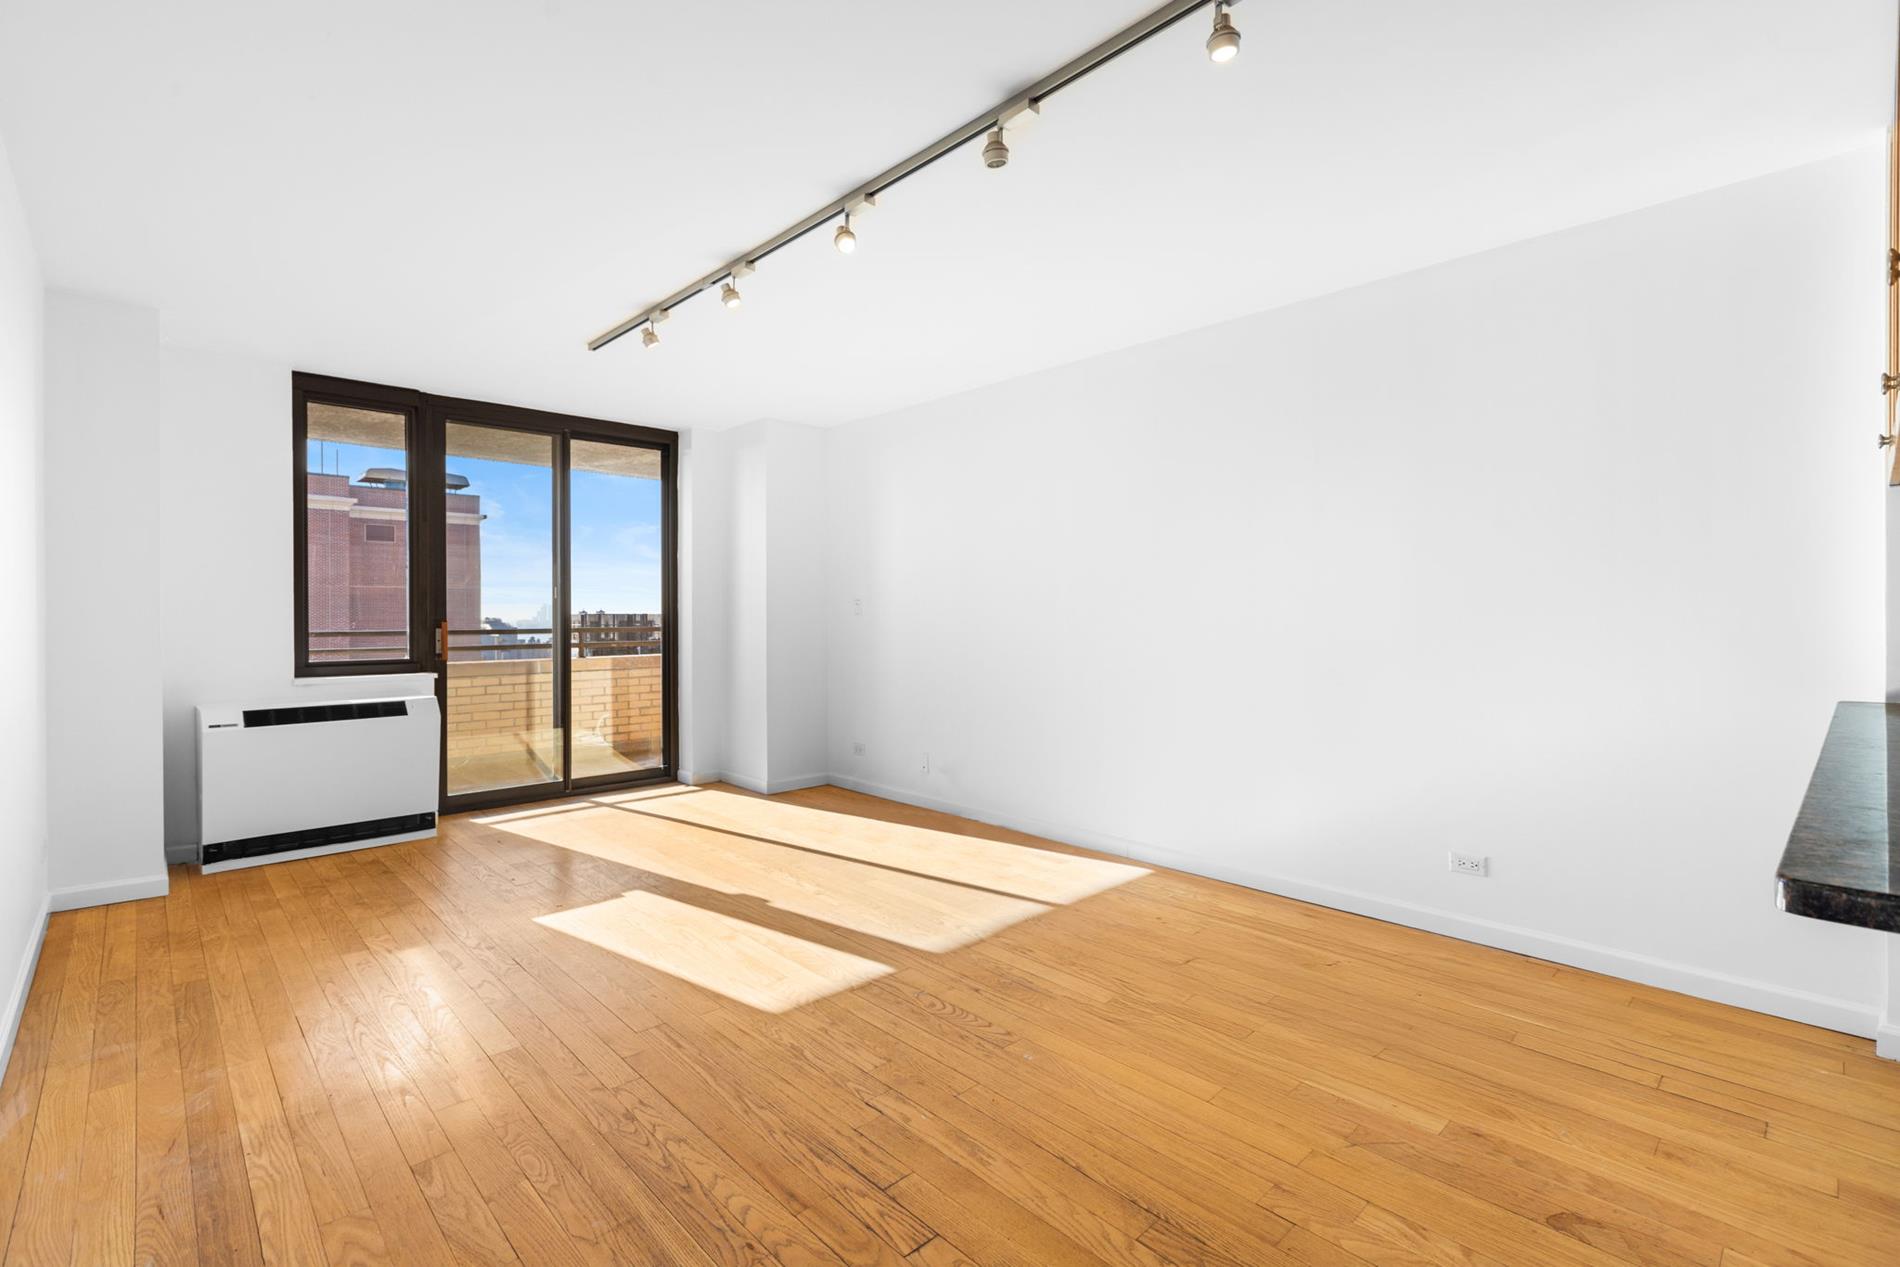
(456, 194)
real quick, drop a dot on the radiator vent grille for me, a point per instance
(306, 714)
(316, 837)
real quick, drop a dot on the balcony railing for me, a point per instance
(386, 650)
(583, 641)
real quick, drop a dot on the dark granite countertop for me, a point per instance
(1842, 862)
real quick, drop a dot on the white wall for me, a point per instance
(704, 512)
(1559, 554)
(745, 745)
(23, 885)
(225, 519)
(771, 606)
(795, 585)
(103, 753)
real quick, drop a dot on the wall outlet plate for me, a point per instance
(1468, 863)
(857, 749)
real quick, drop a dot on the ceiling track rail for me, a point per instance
(1030, 98)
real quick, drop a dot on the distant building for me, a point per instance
(616, 633)
(358, 555)
(358, 551)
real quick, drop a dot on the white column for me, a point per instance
(104, 685)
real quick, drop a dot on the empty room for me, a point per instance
(1091, 633)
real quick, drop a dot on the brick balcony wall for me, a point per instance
(493, 703)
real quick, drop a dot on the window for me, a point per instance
(523, 558)
(356, 596)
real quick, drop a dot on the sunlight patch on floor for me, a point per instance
(759, 967)
(912, 910)
(922, 888)
(1042, 875)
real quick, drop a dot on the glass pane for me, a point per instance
(498, 543)
(615, 653)
(356, 534)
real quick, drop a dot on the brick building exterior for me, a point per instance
(358, 559)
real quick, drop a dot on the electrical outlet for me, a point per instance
(857, 749)
(1468, 863)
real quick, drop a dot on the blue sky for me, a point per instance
(616, 518)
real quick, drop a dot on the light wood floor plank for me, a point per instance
(163, 1230)
(225, 1225)
(26, 1070)
(44, 1226)
(401, 1226)
(702, 1028)
(108, 1192)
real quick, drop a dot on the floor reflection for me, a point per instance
(759, 967)
(923, 888)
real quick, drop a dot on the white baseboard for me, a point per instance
(1828, 1012)
(764, 787)
(1887, 1042)
(22, 983)
(109, 891)
(317, 851)
(796, 782)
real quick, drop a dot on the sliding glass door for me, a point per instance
(501, 557)
(618, 625)
(553, 591)
(525, 559)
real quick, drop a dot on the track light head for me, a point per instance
(650, 337)
(1224, 44)
(729, 295)
(844, 239)
(996, 152)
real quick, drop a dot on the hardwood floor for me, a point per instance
(695, 1027)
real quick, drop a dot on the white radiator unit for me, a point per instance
(299, 780)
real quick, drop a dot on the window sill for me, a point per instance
(344, 679)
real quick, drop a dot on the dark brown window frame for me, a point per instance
(427, 416)
(440, 410)
(306, 389)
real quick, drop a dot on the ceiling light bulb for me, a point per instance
(650, 336)
(996, 153)
(729, 295)
(844, 239)
(1224, 44)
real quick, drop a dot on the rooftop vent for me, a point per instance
(396, 477)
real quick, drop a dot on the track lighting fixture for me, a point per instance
(1012, 120)
(855, 208)
(650, 337)
(1224, 44)
(729, 293)
(996, 128)
(996, 153)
